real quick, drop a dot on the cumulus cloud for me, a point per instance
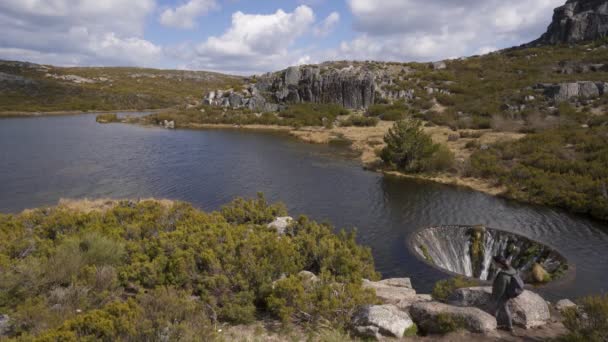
(185, 15)
(437, 29)
(255, 42)
(325, 27)
(77, 32)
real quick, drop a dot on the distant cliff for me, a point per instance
(576, 21)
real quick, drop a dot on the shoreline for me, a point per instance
(364, 141)
(20, 114)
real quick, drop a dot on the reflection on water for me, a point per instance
(47, 158)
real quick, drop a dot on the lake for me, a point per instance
(43, 159)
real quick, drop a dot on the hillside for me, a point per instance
(27, 87)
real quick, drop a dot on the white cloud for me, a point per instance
(325, 27)
(254, 42)
(77, 32)
(184, 16)
(435, 29)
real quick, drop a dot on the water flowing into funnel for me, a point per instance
(468, 251)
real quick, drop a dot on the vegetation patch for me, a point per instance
(107, 118)
(443, 289)
(140, 270)
(564, 167)
(589, 321)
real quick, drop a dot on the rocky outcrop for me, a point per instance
(566, 91)
(529, 309)
(576, 21)
(249, 98)
(381, 320)
(280, 224)
(351, 87)
(433, 317)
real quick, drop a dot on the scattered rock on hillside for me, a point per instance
(431, 316)
(566, 91)
(4, 324)
(280, 224)
(565, 304)
(529, 309)
(381, 320)
(439, 65)
(577, 20)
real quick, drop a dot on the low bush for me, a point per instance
(588, 322)
(443, 289)
(360, 121)
(565, 167)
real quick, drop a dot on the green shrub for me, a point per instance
(443, 289)
(409, 149)
(360, 121)
(589, 322)
(389, 112)
(447, 323)
(564, 167)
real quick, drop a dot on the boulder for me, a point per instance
(4, 324)
(381, 320)
(588, 90)
(280, 224)
(430, 316)
(393, 291)
(564, 304)
(528, 310)
(566, 91)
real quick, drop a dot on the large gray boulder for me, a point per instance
(529, 309)
(431, 317)
(577, 20)
(566, 91)
(391, 291)
(381, 320)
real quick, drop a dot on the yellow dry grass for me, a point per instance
(103, 204)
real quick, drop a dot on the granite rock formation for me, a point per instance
(576, 21)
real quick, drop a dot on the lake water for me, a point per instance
(44, 159)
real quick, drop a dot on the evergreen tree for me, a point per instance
(408, 148)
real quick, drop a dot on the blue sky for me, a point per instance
(247, 36)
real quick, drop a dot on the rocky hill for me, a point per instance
(576, 21)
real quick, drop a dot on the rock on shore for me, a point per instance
(529, 309)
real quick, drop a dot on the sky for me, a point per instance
(254, 36)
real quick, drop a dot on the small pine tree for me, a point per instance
(408, 148)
